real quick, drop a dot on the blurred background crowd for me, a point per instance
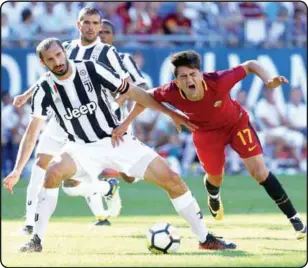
(228, 24)
(235, 24)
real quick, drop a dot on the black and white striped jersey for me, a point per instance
(97, 51)
(80, 102)
(132, 68)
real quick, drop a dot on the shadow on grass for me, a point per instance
(263, 238)
(222, 253)
(284, 250)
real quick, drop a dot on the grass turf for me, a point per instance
(264, 236)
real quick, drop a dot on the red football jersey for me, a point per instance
(216, 110)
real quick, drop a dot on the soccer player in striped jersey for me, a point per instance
(73, 90)
(107, 35)
(87, 47)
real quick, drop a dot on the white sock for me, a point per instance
(214, 196)
(46, 206)
(137, 179)
(95, 203)
(187, 206)
(34, 187)
(103, 187)
(92, 194)
(295, 216)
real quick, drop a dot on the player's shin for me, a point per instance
(47, 203)
(212, 190)
(187, 206)
(275, 190)
(215, 206)
(33, 190)
(96, 205)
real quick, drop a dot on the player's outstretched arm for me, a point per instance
(25, 150)
(21, 99)
(253, 66)
(147, 100)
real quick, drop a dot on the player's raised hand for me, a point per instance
(10, 181)
(277, 81)
(180, 120)
(20, 100)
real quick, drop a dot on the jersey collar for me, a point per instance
(98, 40)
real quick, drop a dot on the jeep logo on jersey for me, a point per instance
(82, 110)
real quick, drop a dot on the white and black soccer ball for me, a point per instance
(163, 238)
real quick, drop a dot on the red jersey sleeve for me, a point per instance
(226, 79)
(159, 93)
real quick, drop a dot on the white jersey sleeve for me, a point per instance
(65, 44)
(116, 63)
(109, 79)
(133, 69)
(39, 102)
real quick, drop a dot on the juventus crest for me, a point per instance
(85, 79)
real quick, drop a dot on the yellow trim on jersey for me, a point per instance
(181, 93)
(204, 85)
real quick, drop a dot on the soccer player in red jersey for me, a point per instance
(204, 99)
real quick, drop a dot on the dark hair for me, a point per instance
(25, 14)
(46, 44)
(88, 11)
(109, 23)
(188, 58)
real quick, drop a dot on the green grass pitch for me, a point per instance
(263, 235)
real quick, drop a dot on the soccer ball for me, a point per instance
(163, 238)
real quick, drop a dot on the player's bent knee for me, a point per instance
(43, 160)
(175, 185)
(53, 177)
(160, 174)
(259, 173)
(215, 180)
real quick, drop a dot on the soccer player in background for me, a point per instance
(75, 91)
(204, 98)
(107, 35)
(53, 138)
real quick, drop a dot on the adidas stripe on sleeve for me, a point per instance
(39, 102)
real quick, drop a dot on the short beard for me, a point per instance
(63, 72)
(89, 41)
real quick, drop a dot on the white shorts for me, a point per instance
(54, 130)
(131, 157)
(52, 139)
(48, 145)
